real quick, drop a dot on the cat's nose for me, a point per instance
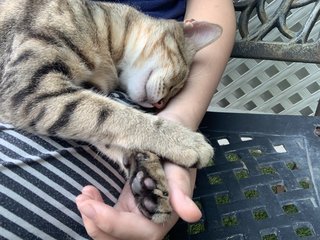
(159, 105)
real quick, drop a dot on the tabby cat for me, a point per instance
(59, 59)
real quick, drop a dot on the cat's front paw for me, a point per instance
(203, 149)
(189, 149)
(149, 186)
(179, 145)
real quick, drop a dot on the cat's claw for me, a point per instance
(149, 186)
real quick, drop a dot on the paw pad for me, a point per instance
(149, 187)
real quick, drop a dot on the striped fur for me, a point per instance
(52, 51)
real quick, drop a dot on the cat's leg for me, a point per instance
(70, 112)
(40, 96)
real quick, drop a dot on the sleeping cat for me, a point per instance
(59, 59)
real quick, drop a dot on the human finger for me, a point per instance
(181, 183)
(92, 193)
(118, 224)
(90, 226)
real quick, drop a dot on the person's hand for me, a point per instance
(124, 220)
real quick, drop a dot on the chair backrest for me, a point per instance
(298, 47)
(276, 59)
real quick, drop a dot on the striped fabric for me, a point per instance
(40, 178)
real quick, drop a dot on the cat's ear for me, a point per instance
(201, 34)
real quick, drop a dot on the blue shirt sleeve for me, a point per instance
(169, 9)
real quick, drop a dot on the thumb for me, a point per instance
(181, 184)
(184, 206)
(92, 193)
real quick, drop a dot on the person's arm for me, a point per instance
(124, 221)
(190, 105)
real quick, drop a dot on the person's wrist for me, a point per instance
(177, 118)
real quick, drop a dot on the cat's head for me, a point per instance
(158, 57)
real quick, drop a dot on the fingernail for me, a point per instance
(81, 198)
(87, 210)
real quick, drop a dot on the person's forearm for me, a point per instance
(189, 106)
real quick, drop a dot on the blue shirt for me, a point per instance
(170, 9)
